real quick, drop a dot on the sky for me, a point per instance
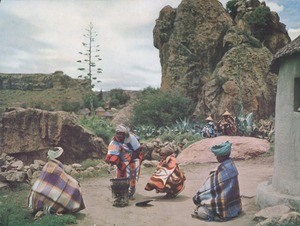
(44, 36)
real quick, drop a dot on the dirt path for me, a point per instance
(99, 210)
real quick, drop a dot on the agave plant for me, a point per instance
(245, 125)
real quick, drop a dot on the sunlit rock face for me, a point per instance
(216, 59)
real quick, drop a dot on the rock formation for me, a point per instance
(217, 60)
(47, 91)
(28, 134)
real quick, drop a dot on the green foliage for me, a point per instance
(17, 213)
(260, 17)
(148, 92)
(100, 127)
(231, 9)
(245, 125)
(118, 97)
(95, 99)
(179, 131)
(41, 105)
(159, 108)
(71, 106)
(251, 40)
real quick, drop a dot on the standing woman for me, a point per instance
(124, 152)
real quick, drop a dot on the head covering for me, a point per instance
(55, 152)
(226, 113)
(209, 118)
(122, 128)
(221, 149)
(166, 150)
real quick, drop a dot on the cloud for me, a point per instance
(46, 36)
(294, 33)
(275, 6)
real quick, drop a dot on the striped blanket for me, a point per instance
(220, 193)
(167, 178)
(55, 191)
(127, 157)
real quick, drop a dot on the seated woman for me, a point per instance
(227, 125)
(208, 130)
(167, 178)
(219, 197)
(55, 191)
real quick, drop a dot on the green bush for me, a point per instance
(158, 109)
(118, 97)
(96, 101)
(100, 127)
(71, 106)
(231, 9)
(260, 17)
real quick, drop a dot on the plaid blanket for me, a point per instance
(220, 193)
(55, 191)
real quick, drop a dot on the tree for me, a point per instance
(89, 63)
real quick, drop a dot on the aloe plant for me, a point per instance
(245, 125)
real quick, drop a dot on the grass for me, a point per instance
(14, 210)
(49, 99)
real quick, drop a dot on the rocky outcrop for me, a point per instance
(190, 41)
(273, 34)
(54, 91)
(38, 82)
(217, 60)
(29, 133)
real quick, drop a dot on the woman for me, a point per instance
(219, 197)
(55, 191)
(124, 152)
(167, 178)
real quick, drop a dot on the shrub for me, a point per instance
(100, 127)
(158, 109)
(260, 17)
(118, 97)
(231, 9)
(96, 101)
(71, 106)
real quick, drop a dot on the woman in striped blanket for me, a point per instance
(55, 191)
(167, 178)
(219, 197)
(124, 152)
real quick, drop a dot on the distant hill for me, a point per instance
(46, 91)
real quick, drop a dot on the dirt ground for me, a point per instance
(98, 198)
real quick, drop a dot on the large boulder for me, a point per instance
(217, 60)
(242, 148)
(29, 133)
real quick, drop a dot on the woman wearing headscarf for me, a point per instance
(219, 197)
(167, 178)
(124, 152)
(55, 191)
